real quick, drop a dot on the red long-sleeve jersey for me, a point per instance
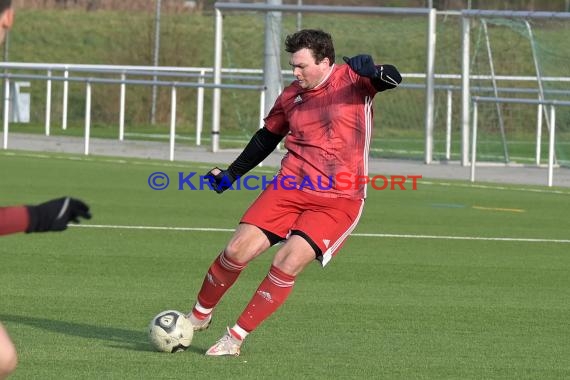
(328, 131)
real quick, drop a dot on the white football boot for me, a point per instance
(226, 346)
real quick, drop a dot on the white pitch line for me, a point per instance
(157, 228)
(399, 236)
(443, 237)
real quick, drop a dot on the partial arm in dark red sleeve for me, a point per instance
(13, 219)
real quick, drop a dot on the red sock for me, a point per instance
(220, 277)
(270, 295)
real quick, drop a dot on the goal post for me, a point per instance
(515, 54)
(344, 10)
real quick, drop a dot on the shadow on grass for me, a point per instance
(122, 338)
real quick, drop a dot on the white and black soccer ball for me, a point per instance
(170, 331)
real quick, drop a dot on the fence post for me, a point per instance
(87, 116)
(6, 110)
(48, 103)
(200, 109)
(448, 126)
(551, 145)
(474, 142)
(538, 134)
(172, 120)
(122, 108)
(65, 95)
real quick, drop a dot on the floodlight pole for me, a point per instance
(465, 90)
(272, 61)
(299, 16)
(430, 85)
(216, 93)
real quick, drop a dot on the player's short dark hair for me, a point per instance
(5, 4)
(319, 42)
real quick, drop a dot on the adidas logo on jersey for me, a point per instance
(298, 99)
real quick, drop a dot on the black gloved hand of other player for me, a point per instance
(55, 215)
(220, 180)
(363, 65)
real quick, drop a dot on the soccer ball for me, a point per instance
(170, 331)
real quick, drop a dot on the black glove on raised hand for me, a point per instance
(363, 65)
(55, 215)
(220, 180)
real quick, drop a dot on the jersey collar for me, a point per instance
(326, 77)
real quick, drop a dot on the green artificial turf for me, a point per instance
(425, 289)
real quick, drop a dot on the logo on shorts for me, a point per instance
(326, 242)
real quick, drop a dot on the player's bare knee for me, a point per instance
(290, 262)
(247, 243)
(286, 267)
(234, 250)
(243, 250)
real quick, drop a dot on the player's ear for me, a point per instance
(326, 61)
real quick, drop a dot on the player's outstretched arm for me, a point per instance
(383, 77)
(53, 215)
(259, 147)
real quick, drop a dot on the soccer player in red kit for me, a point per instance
(325, 116)
(53, 215)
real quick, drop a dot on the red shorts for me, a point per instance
(324, 222)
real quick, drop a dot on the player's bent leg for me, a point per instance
(295, 255)
(289, 261)
(247, 242)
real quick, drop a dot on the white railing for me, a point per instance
(450, 89)
(201, 74)
(183, 73)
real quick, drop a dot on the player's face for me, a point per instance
(6, 21)
(308, 73)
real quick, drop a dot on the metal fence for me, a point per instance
(121, 72)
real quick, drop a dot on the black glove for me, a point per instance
(54, 215)
(363, 65)
(220, 180)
